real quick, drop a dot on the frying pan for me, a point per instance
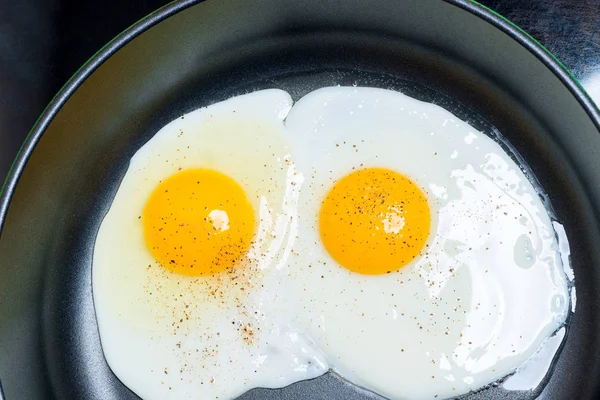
(454, 53)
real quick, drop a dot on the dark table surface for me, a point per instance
(43, 42)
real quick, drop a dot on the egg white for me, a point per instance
(483, 296)
(171, 336)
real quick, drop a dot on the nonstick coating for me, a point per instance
(455, 54)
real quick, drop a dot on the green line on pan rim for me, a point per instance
(69, 81)
(560, 63)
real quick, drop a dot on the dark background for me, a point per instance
(43, 42)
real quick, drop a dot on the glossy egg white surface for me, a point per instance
(484, 294)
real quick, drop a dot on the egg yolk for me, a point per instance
(374, 221)
(198, 222)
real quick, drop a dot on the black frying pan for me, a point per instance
(455, 53)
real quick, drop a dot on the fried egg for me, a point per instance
(257, 243)
(427, 265)
(201, 217)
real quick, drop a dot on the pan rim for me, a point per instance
(500, 22)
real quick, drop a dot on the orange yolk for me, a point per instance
(198, 222)
(374, 221)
